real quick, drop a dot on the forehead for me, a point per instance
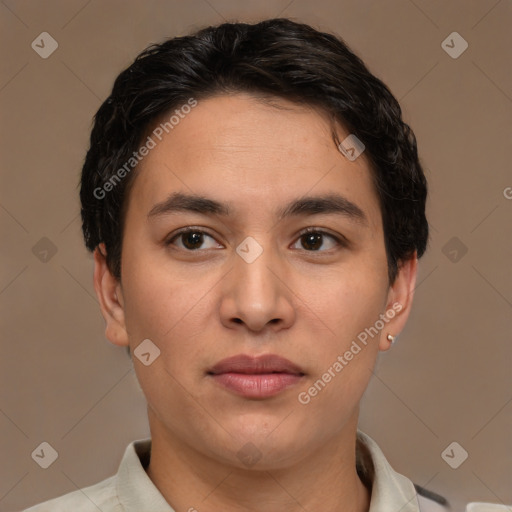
(242, 151)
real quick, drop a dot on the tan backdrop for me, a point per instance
(448, 379)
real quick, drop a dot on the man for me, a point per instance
(256, 208)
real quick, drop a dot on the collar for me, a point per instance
(389, 490)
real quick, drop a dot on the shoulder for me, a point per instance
(101, 496)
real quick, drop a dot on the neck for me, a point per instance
(191, 481)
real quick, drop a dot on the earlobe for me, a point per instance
(399, 303)
(109, 293)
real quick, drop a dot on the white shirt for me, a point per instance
(131, 490)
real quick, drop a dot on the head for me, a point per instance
(237, 133)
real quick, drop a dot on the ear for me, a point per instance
(399, 302)
(109, 293)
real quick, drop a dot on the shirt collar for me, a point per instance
(136, 491)
(389, 490)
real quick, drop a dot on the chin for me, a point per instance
(260, 448)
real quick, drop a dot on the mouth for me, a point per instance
(256, 377)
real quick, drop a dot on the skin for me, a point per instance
(207, 304)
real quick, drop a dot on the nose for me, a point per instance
(256, 295)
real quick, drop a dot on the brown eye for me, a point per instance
(318, 240)
(312, 241)
(192, 240)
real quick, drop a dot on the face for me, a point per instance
(284, 256)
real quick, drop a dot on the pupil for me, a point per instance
(314, 240)
(192, 240)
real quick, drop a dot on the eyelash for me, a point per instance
(340, 240)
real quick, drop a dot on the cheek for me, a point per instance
(350, 306)
(351, 300)
(358, 309)
(171, 313)
(169, 308)
(348, 354)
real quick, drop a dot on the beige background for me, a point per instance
(449, 376)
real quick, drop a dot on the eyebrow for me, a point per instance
(309, 205)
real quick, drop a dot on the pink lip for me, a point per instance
(256, 377)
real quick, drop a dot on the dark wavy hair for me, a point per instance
(274, 58)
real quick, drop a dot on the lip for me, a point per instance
(256, 377)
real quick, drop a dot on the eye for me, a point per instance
(192, 239)
(313, 239)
